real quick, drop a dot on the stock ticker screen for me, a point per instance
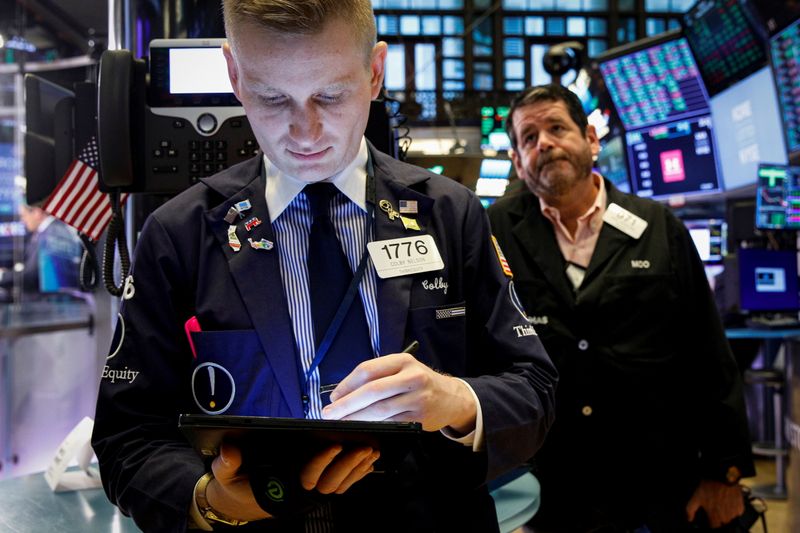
(785, 50)
(654, 82)
(778, 197)
(672, 159)
(725, 41)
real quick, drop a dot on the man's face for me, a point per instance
(307, 96)
(552, 155)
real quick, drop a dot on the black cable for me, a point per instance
(115, 239)
(89, 267)
(397, 120)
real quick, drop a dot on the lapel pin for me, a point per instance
(409, 223)
(231, 215)
(386, 207)
(233, 240)
(252, 223)
(243, 206)
(408, 207)
(263, 244)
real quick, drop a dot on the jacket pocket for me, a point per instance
(441, 332)
(231, 374)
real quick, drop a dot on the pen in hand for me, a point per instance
(411, 348)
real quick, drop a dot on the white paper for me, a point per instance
(78, 446)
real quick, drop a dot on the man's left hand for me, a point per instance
(397, 387)
(722, 503)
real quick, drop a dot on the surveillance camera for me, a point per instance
(563, 57)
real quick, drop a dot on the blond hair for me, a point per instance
(303, 17)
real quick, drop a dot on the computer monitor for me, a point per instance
(654, 81)
(748, 130)
(59, 255)
(778, 197)
(673, 159)
(49, 135)
(710, 238)
(768, 280)
(611, 163)
(727, 40)
(785, 53)
(493, 128)
(493, 178)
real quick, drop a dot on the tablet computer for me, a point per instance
(297, 439)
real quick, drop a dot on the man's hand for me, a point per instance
(721, 502)
(330, 471)
(397, 387)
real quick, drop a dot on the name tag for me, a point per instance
(624, 220)
(401, 257)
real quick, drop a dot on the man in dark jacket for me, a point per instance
(235, 258)
(651, 426)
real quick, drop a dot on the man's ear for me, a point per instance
(594, 140)
(378, 68)
(233, 70)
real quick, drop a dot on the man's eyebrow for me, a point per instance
(333, 87)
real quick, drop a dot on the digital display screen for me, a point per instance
(785, 50)
(710, 238)
(725, 41)
(677, 158)
(611, 163)
(767, 280)
(198, 71)
(493, 177)
(778, 197)
(655, 84)
(493, 128)
(748, 130)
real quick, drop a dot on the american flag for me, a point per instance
(77, 199)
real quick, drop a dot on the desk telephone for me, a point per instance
(162, 128)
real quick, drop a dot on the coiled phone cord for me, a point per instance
(116, 239)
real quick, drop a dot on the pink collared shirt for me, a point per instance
(578, 249)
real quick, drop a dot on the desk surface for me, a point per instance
(29, 505)
(42, 317)
(761, 333)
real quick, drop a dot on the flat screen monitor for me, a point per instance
(778, 197)
(673, 159)
(767, 280)
(653, 81)
(747, 125)
(493, 128)
(59, 260)
(710, 238)
(785, 53)
(493, 177)
(726, 40)
(611, 163)
(49, 135)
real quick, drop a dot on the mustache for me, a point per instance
(549, 157)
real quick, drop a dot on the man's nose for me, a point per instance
(306, 125)
(544, 142)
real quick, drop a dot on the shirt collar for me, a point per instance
(282, 189)
(43, 225)
(599, 203)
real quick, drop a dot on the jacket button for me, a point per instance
(587, 410)
(583, 345)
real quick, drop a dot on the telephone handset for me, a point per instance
(121, 103)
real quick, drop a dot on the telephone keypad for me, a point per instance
(178, 156)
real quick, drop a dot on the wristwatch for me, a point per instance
(208, 512)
